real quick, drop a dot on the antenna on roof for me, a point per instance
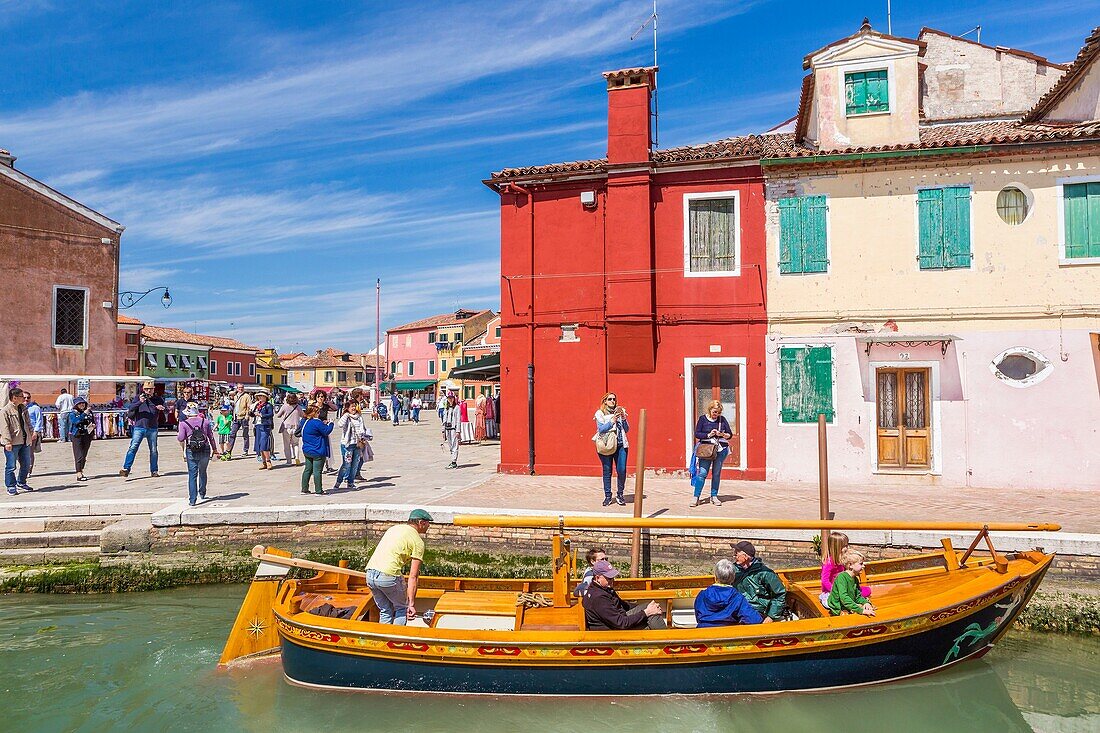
(651, 19)
(889, 21)
(977, 30)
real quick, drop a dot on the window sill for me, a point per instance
(811, 272)
(1063, 262)
(906, 472)
(723, 273)
(70, 348)
(866, 114)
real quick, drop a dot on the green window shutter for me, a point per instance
(815, 254)
(930, 215)
(855, 93)
(878, 93)
(1076, 212)
(790, 384)
(1094, 219)
(820, 364)
(790, 235)
(956, 226)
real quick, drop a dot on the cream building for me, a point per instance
(933, 282)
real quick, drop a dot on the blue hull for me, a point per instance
(854, 665)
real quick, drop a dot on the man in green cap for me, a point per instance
(402, 543)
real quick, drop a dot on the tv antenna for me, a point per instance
(651, 19)
(977, 30)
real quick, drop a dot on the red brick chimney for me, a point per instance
(629, 94)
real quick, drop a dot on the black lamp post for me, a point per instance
(129, 298)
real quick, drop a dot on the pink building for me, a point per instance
(411, 350)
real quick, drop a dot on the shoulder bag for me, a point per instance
(706, 451)
(607, 442)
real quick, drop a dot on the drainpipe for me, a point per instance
(515, 189)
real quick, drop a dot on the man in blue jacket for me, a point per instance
(144, 415)
(721, 604)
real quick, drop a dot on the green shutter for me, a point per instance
(790, 384)
(956, 224)
(930, 215)
(815, 254)
(1094, 219)
(1076, 212)
(790, 235)
(820, 363)
(855, 93)
(878, 93)
(866, 91)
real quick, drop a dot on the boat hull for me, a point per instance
(935, 643)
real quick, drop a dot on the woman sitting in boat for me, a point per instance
(759, 584)
(604, 610)
(845, 596)
(721, 604)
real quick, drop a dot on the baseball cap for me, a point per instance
(745, 547)
(604, 568)
(417, 515)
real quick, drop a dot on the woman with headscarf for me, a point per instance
(81, 432)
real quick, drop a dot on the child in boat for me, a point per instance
(593, 556)
(845, 596)
(831, 566)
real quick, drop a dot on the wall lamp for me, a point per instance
(129, 298)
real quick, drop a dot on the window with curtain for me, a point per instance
(1012, 205)
(712, 235)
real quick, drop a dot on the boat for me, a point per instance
(527, 636)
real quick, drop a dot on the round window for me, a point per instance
(1021, 367)
(1012, 205)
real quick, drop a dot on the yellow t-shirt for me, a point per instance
(398, 544)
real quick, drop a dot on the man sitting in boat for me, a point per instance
(721, 604)
(402, 543)
(604, 610)
(759, 584)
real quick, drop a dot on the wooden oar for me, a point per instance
(259, 552)
(479, 520)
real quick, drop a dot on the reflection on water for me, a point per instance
(147, 662)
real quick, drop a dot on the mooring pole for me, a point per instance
(639, 487)
(823, 477)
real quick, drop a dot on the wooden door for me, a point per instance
(903, 408)
(720, 382)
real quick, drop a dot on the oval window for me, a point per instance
(1021, 367)
(1012, 205)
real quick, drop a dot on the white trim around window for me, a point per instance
(1062, 259)
(872, 65)
(53, 317)
(213, 367)
(742, 412)
(688, 198)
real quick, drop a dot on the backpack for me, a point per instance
(196, 441)
(607, 443)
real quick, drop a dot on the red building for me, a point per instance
(128, 348)
(642, 274)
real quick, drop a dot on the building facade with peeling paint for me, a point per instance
(933, 226)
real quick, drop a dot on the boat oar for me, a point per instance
(480, 520)
(260, 553)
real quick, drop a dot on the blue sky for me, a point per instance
(271, 159)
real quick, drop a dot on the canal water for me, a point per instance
(146, 662)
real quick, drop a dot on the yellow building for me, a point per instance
(269, 369)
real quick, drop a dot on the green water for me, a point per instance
(146, 662)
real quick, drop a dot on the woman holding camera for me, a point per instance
(81, 432)
(612, 445)
(713, 433)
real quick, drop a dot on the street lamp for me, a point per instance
(130, 298)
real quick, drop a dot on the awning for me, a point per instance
(486, 369)
(409, 385)
(288, 388)
(908, 341)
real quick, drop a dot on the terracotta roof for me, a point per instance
(621, 78)
(1085, 57)
(804, 106)
(444, 319)
(292, 355)
(127, 321)
(937, 136)
(294, 361)
(864, 30)
(162, 333)
(578, 166)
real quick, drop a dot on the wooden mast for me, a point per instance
(603, 522)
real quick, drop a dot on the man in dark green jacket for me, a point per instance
(759, 584)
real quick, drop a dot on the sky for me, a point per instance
(270, 160)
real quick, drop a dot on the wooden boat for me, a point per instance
(934, 610)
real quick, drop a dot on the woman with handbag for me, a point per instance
(713, 433)
(352, 437)
(290, 415)
(612, 445)
(81, 432)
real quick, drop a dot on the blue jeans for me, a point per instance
(618, 460)
(713, 466)
(196, 474)
(391, 595)
(350, 454)
(416, 414)
(139, 435)
(21, 453)
(63, 425)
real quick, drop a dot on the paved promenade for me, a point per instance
(409, 469)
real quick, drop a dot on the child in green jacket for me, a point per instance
(223, 426)
(845, 597)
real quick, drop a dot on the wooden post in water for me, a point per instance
(823, 477)
(639, 487)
